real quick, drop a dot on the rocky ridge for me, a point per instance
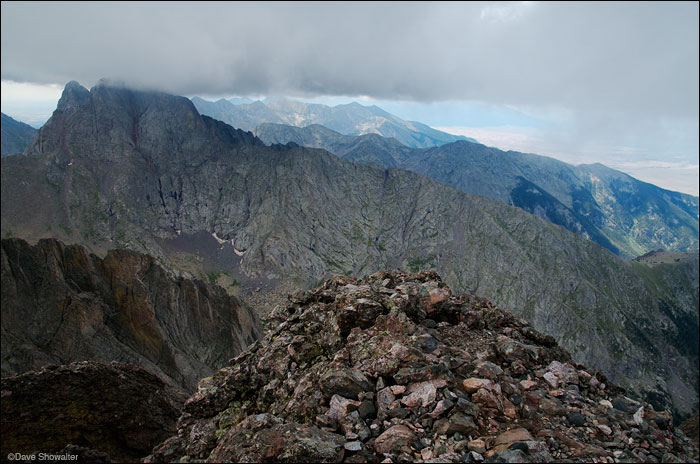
(395, 368)
(62, 304)
(613, 209)
(99, 412)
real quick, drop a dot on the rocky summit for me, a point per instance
(395, 368)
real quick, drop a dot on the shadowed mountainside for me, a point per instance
(618, 212)
(15, 135)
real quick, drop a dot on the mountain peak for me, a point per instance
(73, 96)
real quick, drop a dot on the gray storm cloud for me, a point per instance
(593, 56)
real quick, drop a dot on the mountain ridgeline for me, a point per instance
(351, 119)
(15, 135)
(618, 212)
(120, 168)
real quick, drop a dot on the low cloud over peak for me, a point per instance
(605, 73)
(570, 54)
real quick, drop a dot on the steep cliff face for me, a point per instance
(61, 304)
(396, 366)
(99, 412)
(117, 168)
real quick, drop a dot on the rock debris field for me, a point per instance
(394, 368)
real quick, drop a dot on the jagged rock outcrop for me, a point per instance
(144, 170)
(92, 410)
(62, 304)
(395, 368)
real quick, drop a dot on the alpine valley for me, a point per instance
(441, 288)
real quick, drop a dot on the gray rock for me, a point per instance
(353, 446)
(367, 409)
(456, 423)
(620, 404)
(576, 419)
(512, 455)
(345, 382)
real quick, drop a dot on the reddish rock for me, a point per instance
(551, 379)
(485, 398)
(420, 394)
(441, 407)
(398, 389)
(417, 369)
(528, 384)
(505, 439)
(289, 442)
(473, 384)
(385, 401)
(396, 439)
(340, 407)
(565, 372)
(477, 445)
(438, 295)
(488, 370)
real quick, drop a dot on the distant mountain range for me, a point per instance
(350, 119)
(615, 210)
(15, 135)
(116, 168)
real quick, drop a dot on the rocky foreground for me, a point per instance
(97, 412)
(395, 368)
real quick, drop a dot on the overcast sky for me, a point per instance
(584, 82)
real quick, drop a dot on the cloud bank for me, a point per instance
(633, 56)
(607, 73)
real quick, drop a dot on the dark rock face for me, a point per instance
(690, 428)
(16, 135)
(138, 170)
(61, 304)
(88, 409)
(268, 406)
